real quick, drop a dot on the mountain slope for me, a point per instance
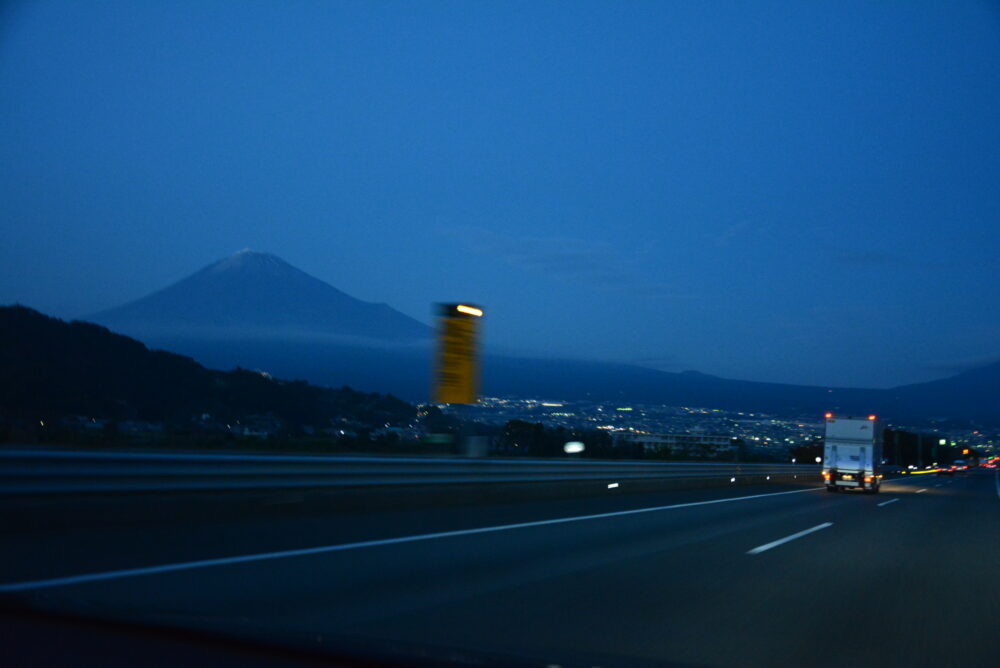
(79, 367)
(406, 372)
(970, 394)
(255, 310)
(259, 295)
(53, 368)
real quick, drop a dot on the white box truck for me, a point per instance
(852, 453)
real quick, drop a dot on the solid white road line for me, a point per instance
(921, 490)
(189, 565)
(781, 541)
(886, 503)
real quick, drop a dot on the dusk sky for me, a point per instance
(785, 191)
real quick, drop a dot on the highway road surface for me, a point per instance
(742, 576)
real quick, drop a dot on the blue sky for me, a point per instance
(785, 191)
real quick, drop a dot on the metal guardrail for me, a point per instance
(51, 471)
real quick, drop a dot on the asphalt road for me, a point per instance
(742, 576)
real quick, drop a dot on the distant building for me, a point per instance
(84, 423)
(257, 426)
(139, 426)
(689, 445)
(401, 433)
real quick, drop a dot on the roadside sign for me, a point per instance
(456, 372)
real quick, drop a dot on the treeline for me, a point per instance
(528, 439)
(905, 448)
(901, 448)
(532, 439)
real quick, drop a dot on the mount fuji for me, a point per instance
(253, 295)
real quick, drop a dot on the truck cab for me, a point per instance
(852, 453)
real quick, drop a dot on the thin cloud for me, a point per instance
(958, 365)
(661, 362)
(870, 258)
(568, 260)
(723, 238)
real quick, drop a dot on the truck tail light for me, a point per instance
(868, 478)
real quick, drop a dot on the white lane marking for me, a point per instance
(781, 541)
(921, 490)
(612, 485)
(264, 556)
(886, 503)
